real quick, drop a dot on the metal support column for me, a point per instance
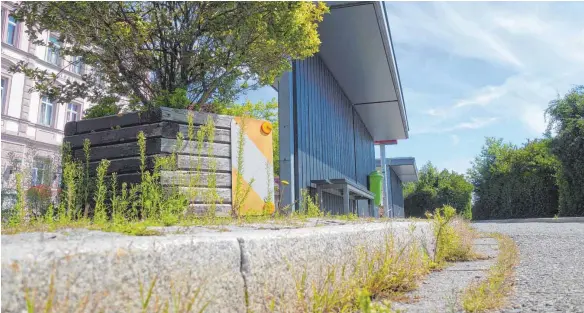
(386, 192)
(286, 120)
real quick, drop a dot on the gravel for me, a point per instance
(440, 291)
(550, 275)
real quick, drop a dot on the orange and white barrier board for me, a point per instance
(256, 174)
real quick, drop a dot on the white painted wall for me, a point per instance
(15, 97)
(33, 112)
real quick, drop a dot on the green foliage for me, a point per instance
(38, 199)
(100, 213)
(435, 189)
(18, 210)
(177, 99)
(453, 237)
(514, 182)
(241, 192)
(567, 120)
(71, 172)
(105, 107)
(309, 206)
(262, 111)
(148, 50)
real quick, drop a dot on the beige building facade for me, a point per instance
(32, 125)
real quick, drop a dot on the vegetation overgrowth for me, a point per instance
(381, 275)
(435, 189)
(97, 200)
(490, 293)
(542, 178)
(127, 51)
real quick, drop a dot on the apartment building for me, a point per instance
(32, 125)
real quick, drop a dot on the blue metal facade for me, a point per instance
(397, 194)
(331, 140)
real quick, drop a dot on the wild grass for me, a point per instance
(378, 276)
(491, 293)
(454, 237)
(97, 200)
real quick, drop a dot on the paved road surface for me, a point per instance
(550, 276)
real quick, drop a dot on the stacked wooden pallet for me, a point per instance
(115, 138)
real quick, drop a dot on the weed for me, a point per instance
(241, 193)
(453, 236)
(365, 305)
(490, 293)
(70, 174)
(18, 211)
(86, 180)
(309, 205)
(100, 212)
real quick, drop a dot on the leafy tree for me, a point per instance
(145, 51)
(567, 120)
(435, 189)
(514, 182)
(106, 106)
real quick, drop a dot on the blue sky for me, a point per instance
(475, 69)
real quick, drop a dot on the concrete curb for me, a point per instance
(105, 270)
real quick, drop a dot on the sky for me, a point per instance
(471, 70)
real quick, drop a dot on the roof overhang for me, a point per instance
(356, 46)
(357, 49)
(404, 168)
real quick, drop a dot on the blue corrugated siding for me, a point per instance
(365, 153)
(332, 141)
(397, 191)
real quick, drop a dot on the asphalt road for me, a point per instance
(550, 275)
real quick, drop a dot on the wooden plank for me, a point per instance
(183, 178)
(219, 149)
(221, 210)
(200, 118)
(117, 151)
(221, 135)
(70, 128)
(190, 163)
(117, 121)
(132, 164)
(128, 134)
(124, 165)
(224, 194)
(179, 178)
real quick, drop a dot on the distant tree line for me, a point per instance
(435, 189)
(542, 178)
(515, 182)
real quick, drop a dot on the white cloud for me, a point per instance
(541, 45)
(472, 123)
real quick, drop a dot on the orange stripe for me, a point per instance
(253, 132)
(254, 204)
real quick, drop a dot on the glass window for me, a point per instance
(72, 112)
(46, 114)
(53, 50)
(4, 90)
(40, 172)
(77, 65)
(11, 31)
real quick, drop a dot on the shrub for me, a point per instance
(38, 199)
(453, 236)
(106, 107)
